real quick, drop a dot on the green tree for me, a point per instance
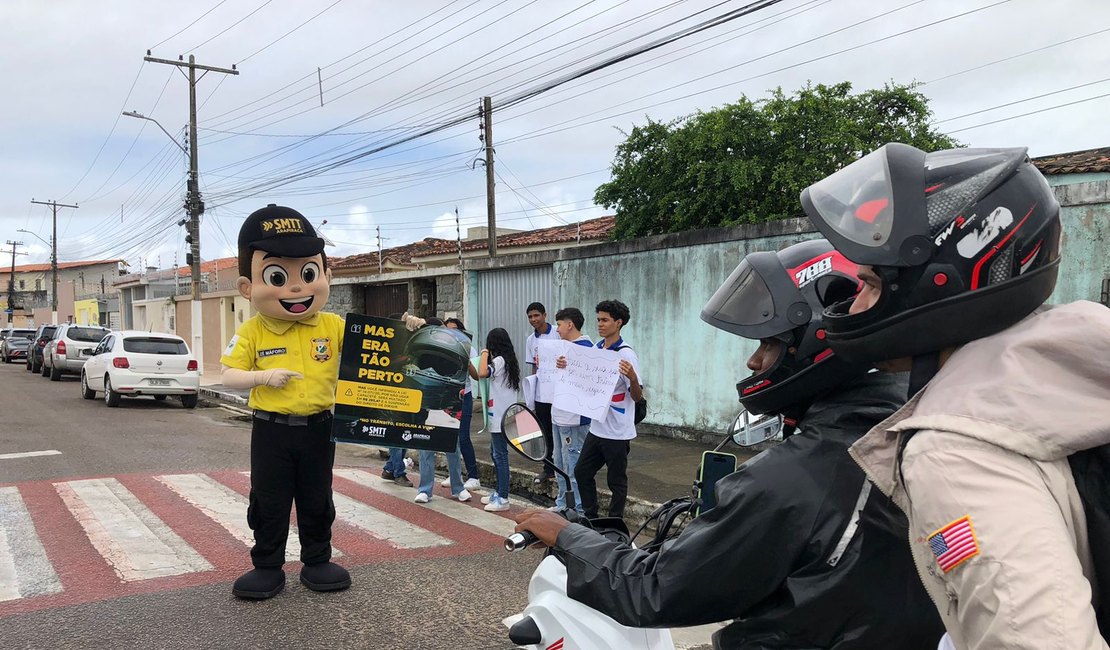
(748, 161)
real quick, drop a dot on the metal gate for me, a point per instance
(387, 300)
(502, 298)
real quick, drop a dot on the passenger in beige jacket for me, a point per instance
(959, 249)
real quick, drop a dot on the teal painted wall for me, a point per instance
(690, 369)
(1085, 246)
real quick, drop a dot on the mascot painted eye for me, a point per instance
(309, 272)
(274, 275)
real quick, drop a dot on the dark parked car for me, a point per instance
(15, 344)
(40, 338)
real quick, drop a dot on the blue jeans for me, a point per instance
(396, 462)
(568, 446)
(428, 471)
(466, 447)
(499, 452)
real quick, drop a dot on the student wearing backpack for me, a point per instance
(608, 442)
(958, 250)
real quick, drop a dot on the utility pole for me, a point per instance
(487, 138)
(11, 281)
(54, 257)
(193, 204)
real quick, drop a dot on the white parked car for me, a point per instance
(131, 363)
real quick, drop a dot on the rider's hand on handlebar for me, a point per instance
(544, 524)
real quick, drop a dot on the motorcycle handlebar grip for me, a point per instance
(520, 541)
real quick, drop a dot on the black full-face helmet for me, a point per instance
(782, 296)
(435, 362)
(966, 242)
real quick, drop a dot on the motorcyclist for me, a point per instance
(958, 250)
(799, 550)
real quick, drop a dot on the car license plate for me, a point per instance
(159, 382)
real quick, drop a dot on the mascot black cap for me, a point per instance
(280, 230)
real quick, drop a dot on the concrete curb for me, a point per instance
(636, 510)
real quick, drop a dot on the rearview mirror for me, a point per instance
(748, 433)
(522, 428)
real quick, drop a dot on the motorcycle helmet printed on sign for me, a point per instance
(782, 296)
(966, 242)
(435, 362)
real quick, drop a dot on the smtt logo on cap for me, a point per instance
(289, 225)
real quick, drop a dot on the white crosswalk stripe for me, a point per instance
(383, 525)
(32, 575)
(136, 543)
(226, 507)
(476, 517)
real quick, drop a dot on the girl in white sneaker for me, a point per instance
(498, 362)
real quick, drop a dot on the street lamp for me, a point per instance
(53, 270)
(194, 207)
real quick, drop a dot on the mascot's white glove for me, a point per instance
(275, 377)
(412, 323)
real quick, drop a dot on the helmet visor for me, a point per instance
(857, 202)
(741, 302)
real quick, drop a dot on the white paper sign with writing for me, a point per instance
(528, 387)
(586, 385)
(547, 351)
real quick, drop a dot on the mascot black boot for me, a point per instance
(287, 354)
(326, 576)
(259, 584)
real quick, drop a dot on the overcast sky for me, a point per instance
(390, 69)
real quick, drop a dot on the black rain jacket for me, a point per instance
(800, 550)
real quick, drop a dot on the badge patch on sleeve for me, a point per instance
(231, 345)
(954, 544)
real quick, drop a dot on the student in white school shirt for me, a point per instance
(498, 363)
(569, 430)
(608, 441)
(541, 329)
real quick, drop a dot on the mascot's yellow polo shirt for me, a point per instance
(310, 347)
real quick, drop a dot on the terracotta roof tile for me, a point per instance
(1076, 162)
(593, 229)
(33, 268)
(395, 255)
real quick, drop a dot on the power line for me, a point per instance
(256, 10)
(278, 39)
(109, 136)
(1015, 56)
(1021, 101)
(1040, 110)
(180, 31)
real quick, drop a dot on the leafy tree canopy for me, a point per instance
(747, 162)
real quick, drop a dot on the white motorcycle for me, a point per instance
(552, 619)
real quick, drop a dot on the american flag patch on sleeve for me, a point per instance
(954, 544)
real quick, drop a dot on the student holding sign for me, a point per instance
(569, 429)
(608, 441)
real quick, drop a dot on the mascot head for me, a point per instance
(282, 267)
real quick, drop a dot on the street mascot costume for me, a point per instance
(288, 356)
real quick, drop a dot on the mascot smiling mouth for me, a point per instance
(296, 306)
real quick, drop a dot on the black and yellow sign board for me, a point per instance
(399, 388)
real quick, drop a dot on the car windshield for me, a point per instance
(48, 332)
(154, 345)
(25, 334)
(87, 334)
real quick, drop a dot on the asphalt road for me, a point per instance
(404, 599)
(67, 579)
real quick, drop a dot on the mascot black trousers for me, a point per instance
(291, 463)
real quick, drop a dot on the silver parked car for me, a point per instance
(15, 344)
(71, 346)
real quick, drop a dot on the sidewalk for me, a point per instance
(659, 468)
